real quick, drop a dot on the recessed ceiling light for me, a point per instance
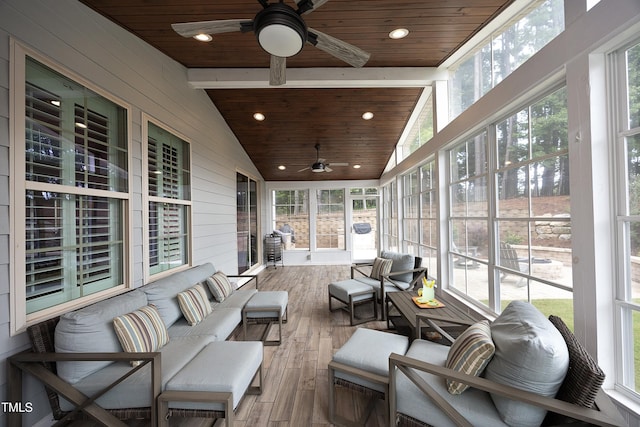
(55, 102)
(368, 115)
(81, 125)
(356, 166)
(259, 117)
(203, 37)
(399, 33)
(282, 167)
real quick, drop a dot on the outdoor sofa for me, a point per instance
(81, 361)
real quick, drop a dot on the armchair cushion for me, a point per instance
(530, 355)
(401, 262)
(388, 286)
(381, 266)
(473, 404)
(470, 353)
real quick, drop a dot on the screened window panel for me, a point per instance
(292, 216)
(330, 226)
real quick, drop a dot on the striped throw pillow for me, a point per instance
(194, 304)
(220, 286)
(141, 331)
(380, 266)
(470, 353)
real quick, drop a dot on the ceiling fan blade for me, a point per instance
(308, 6)
(327, 168)
(305, 169)
(278, 71)
(190, 29)
(337, 164)
(344, 51)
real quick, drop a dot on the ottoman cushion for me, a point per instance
(344, 288)
(369, 350)
(221, 366)
(274, 304)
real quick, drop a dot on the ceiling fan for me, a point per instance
(281, 32)
(320, 165)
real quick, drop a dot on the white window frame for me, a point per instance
(147, 198)
(20, 319)
(625, 308)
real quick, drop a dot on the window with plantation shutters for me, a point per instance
(169, 203)
(73, 211)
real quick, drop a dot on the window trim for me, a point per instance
(624, 308)
(19, 319)
(146, 198)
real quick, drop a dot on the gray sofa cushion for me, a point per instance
(218, 325)
(220, 366)
(401, 262)
(237, 300)
(163, 292)
(135, 391)
(475, 405)
(90, 329)
(531, 355)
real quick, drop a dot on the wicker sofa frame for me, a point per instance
(572, 405)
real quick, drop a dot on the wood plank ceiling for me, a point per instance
(298, 118)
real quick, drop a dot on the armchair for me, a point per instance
(419, 396)
(406, 272)
(509, 259)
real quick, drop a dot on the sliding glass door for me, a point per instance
(247, 222)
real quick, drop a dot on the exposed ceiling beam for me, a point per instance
(258, 78)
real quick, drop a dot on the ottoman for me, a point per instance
(215, 380)
(362, 364)
(266, 307)
(352, 293)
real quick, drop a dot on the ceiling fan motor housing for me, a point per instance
(317, 167)
(280, 30)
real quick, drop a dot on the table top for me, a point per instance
(443, 316)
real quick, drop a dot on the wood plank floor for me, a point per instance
(295, 392)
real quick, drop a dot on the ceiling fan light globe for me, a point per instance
(280, 30)
(280, 40)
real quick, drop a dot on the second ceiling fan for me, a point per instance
(281, 32)
(321, 165)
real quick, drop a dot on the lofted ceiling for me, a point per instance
(324, 98)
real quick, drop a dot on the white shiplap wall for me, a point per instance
(117, 62)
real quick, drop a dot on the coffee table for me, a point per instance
(438, 319)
